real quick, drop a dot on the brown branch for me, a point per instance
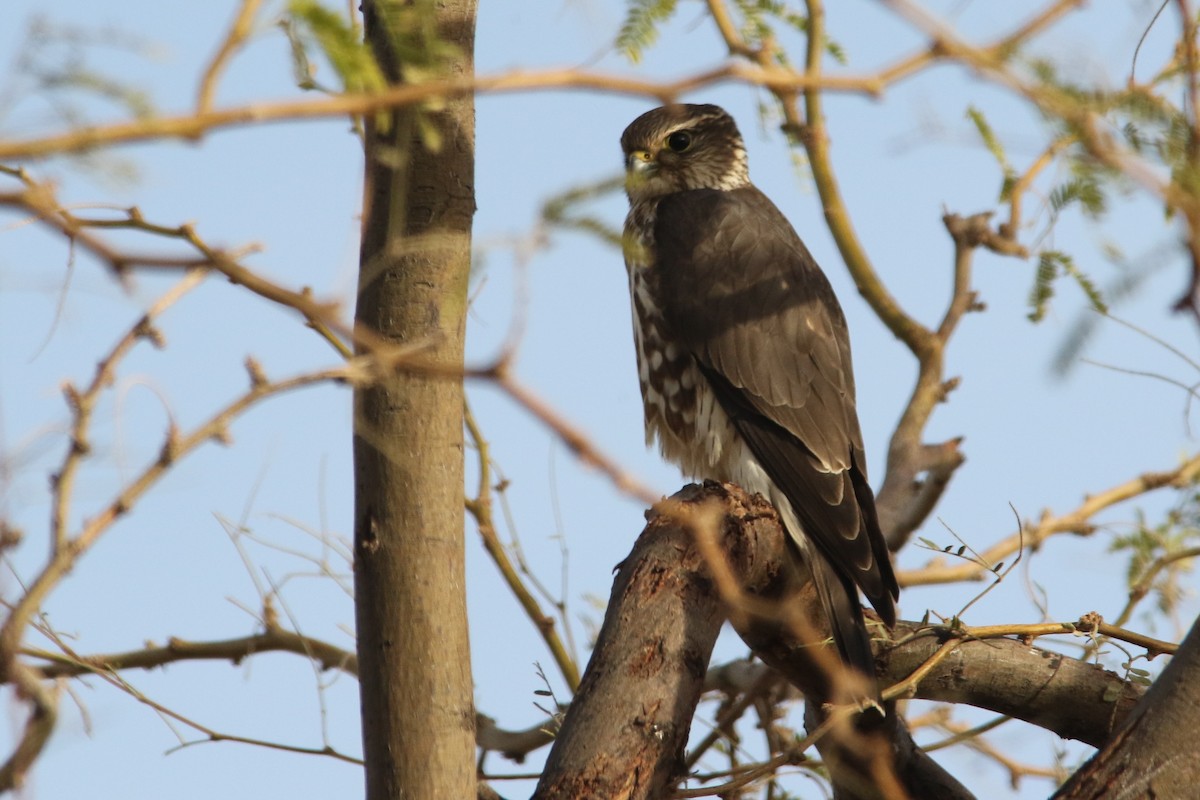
(480, 507)
(513, 744)
(1071, 698)
(575, 440)
(196, 125)
(625, 731)
(813, 134)
(1016, 770)
(1078, 521)
(213, 735)
(175, 447)
(38, 199)
(1145, 583)
(1154, 752)
(38, 726)
(1019, 188)
(917, 474)
(239, 30)
(273, 639)
(1085, 121)
(760, 73)
(83, 404)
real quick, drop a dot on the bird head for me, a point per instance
(680, 147)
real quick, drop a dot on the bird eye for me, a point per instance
(679, 141)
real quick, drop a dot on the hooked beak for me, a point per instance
(640, 162)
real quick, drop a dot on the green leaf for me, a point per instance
(992, 143)
(639, 31)
(1043, 285)
(338, 41)
(1052, 263)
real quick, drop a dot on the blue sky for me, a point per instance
(1034, 439)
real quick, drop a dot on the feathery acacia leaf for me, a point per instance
(992, 143)
(331, 33)
(1051, 264)
(639, 31)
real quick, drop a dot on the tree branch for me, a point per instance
(1078, 522)
(1154, 752)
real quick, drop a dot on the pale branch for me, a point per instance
(39, 200)
(235, 39)
(1145, 583)
(512, 744)
(744, 684)
(273, 639)
(939, 717)
(82, 404)
(762, 73)
(575, 440)
(194, 125)
(1088, 623)
(175, 447)
(386, 357)
(66, 556)
(1078, 521)
(1022, 184)
(970, 737)
(480, 507)
(44, 664)
(43, 713)
(212, 735)
(1085, 120)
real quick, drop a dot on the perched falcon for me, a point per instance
(744, 357)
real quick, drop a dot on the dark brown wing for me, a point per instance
(740, 290)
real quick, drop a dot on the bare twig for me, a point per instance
(1077, 522)
(273, 639)
(480, 508)
(239, 30)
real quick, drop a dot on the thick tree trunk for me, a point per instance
(414, 659)
(1155, 752)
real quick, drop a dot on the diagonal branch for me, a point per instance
(1079, 522)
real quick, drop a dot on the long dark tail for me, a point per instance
(840, 603)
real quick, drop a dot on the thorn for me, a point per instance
(146, 330)
(258, 378)
(74, 399)
(170, 448)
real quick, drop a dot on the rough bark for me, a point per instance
(1060, 694)
(1155, 753)
(624, 733)
(414, 659)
